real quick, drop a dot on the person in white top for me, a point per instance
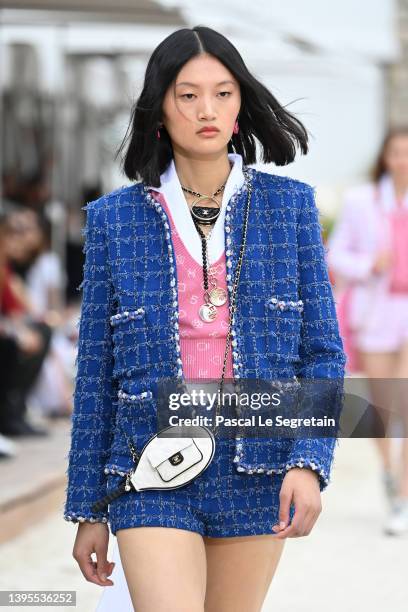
(368, 254)
(45, 282)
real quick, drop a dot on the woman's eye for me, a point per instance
(186, 95)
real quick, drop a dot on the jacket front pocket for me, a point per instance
(136, 419)
(127, 314)
(130, 337)
(283, 321)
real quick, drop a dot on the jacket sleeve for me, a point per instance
(92, 418)
(321, 348)
(343, 257)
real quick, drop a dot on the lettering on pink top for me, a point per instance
(202, 344)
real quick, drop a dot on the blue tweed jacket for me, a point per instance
(128, 328)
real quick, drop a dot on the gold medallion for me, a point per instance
(218, 296)
(207, 312)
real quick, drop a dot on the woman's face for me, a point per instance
(23, 235)
(205, 93)
(396, 156)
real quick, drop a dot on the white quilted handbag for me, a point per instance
(171, 462)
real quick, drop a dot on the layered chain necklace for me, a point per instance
(205, 215)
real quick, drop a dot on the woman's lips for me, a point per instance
(208, 133)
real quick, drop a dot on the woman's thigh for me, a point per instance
(165, 568)
(379, 368)
(239, 571)
(401, 373)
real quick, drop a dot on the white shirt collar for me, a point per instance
(171, 189)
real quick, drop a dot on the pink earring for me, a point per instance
(158, 133)
(236, 127)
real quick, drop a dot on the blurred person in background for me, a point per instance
(45, 284)
(368, 253)
(24, 342)
(74, 255)
(44, 274)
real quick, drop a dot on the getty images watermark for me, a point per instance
(255, 402)
(294, 407)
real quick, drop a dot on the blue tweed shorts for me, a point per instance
(221, 502)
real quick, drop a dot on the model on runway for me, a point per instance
(162, 256)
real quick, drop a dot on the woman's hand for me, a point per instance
(300, 485)
(29, 340)
(93, 538)
(382, 262)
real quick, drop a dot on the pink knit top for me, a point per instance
(399, 247)
(202, 345)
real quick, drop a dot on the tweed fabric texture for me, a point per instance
(129, 336)
(220, 503)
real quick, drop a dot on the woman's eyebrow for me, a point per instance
(195, 84)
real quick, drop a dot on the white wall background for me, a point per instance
(325, 59)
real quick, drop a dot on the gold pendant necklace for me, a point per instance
(216, 296)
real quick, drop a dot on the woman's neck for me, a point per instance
(400, 186)
(203, 175)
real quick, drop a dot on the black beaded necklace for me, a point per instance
(205, 215)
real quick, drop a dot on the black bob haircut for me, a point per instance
(260, 116)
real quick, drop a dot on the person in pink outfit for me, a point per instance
(368, 254)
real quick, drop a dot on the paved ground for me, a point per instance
(346, 564)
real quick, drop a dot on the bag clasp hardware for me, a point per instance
(176, 459)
